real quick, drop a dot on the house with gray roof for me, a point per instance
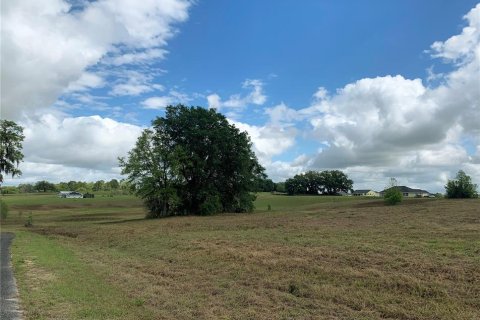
(410, 192)
(366, 193)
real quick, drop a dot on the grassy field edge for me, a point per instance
(55, 284)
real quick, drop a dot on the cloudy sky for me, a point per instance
(377, 89)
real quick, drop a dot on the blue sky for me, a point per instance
(374, 88)
(295, 48)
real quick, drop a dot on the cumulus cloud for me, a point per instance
(464, 45)
(157, 102)
(376, 128)
(87, 80)
(133, 83)
(392, 122)
(256, 96)
(54, 49)
(282, 114)
(174, 97)
(48, 47)
(84, 142)
(268, 140)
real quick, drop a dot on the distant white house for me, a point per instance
(366, 193)
(411, 193)
(70, 194)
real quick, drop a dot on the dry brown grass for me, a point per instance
(343, 260)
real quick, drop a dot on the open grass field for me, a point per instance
(308, 258)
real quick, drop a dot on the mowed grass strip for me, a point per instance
(55, 284)
(310, 258)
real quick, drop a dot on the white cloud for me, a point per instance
(82, 142)
(386, 126)
(157, 102)
(269, 140)
(53, 51)
(464, 45)
(87, 80)
(48, 48)
(146, 56)
(256, 96)
(174, 97)
(283, 114)
(134, 83)
(214, 101)
(37, 171)
(395, 126)
(237, 101)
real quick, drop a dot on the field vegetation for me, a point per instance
(295, 257)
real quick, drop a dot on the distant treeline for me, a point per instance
(113, 186)
(267, 185)
(327, 182)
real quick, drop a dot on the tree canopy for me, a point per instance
(11, 138)
(392, 195)
(461, 187)
(329, 182)
(192, 161)
(44, 186)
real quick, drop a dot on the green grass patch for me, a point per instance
(307, 257)
(55, 284)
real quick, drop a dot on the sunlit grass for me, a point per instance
(308, 257)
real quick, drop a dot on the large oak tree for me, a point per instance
(193, 161)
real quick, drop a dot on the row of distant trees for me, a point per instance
(329, 182)
(113, 185)
(333, 182)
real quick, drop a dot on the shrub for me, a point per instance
(29, 222)
(461, 187)
(393, 196)
(3, 210)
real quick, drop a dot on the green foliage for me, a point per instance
(150, 169)
(211, 205)
(26, 188)
(313, 182)
(113, 184)
(3, 210)
(9, 190)
(461, 187)
(44, 186)
(98, 185)
(193, 162)
(11, 138)
(29, 222)
(393, 195)
(280, 187)
(265, 185)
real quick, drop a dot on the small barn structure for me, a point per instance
(70, 194)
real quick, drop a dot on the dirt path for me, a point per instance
(9, 309)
